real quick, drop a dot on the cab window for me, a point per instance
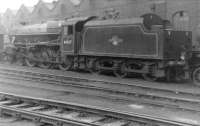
(68, 30)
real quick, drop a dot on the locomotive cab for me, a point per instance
(70, 42)
(71, 34)
(67, 38)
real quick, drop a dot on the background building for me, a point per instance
(184, 14)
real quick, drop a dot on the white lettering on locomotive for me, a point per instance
(68, 42)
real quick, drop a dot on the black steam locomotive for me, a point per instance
(147, 45)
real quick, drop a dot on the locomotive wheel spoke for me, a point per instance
(120, 72)
(8, 58)
(196, 76)
(44, 57)
(66, 65)
(20, 62)
(89, 70)
(45, 65)
(29, 61)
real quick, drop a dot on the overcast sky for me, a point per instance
(15, 4)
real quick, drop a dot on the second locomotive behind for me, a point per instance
(146, 45)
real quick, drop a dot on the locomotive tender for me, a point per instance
(146, 45)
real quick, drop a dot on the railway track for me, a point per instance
(56, 113)
(136, 83)
(127, 93)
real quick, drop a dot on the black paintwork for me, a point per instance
(176, 42)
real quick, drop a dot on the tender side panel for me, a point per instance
(120, 41)
(177, 42)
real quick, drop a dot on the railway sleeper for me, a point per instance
(172, 100)
(46, 114)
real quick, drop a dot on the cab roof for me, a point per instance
(72, 21)
(115, 22)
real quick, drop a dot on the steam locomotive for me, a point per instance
(145, 45)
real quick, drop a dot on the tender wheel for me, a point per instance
(120, 72)
(45, 65)
(96, 67)
(89, 65)
(196, 76)
(66, 65)
(149, 77)
(29, 61)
